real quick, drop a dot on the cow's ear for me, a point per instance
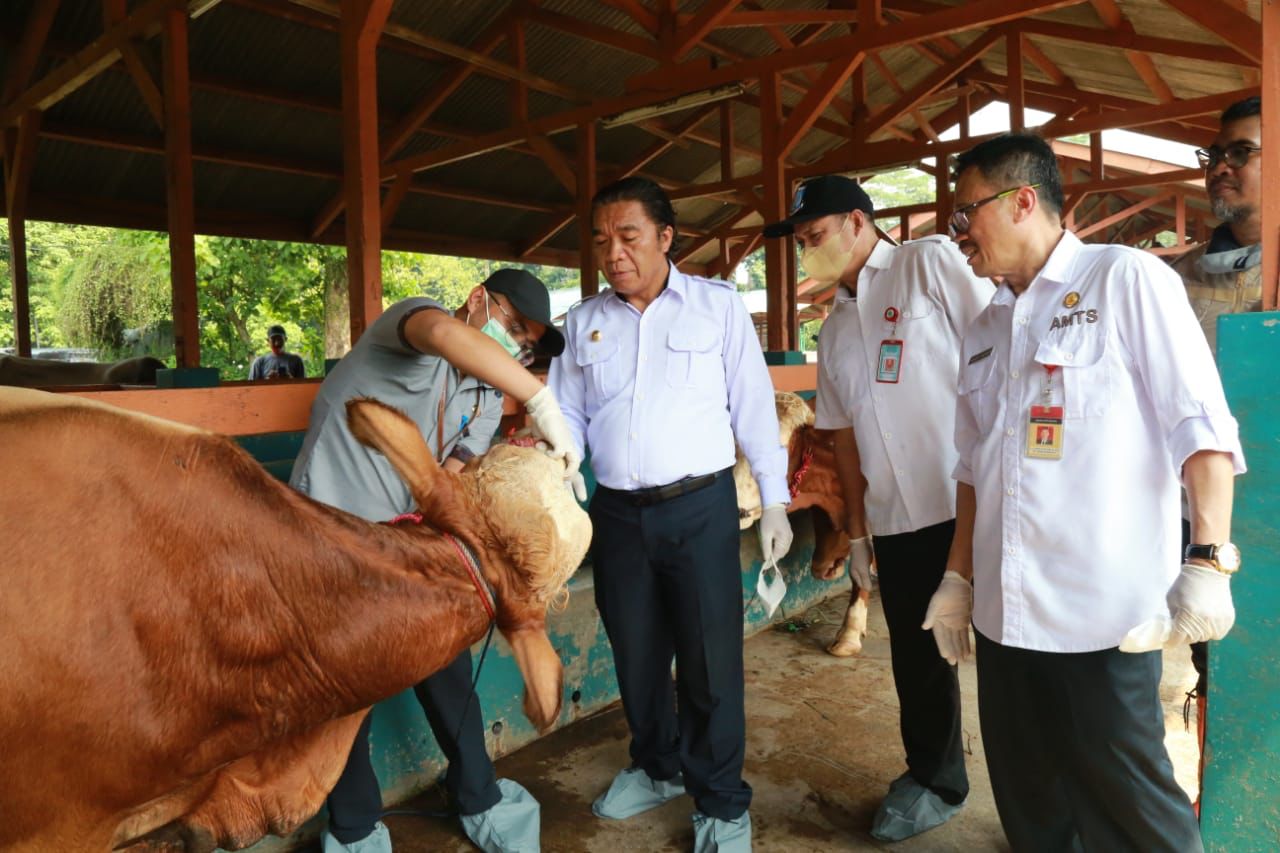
(391, 433)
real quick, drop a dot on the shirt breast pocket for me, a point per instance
(1086, 373)
(602, 367)
(979, 389)
(693, 358)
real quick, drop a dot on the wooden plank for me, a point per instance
(88, 62)
(824, 90)
(21, 284)
(362, 24)
(1124, 213)
(1016, 94)
(180, 188)
(1234, 27)
(233, 408)
(556, 162)
(589, 282)
(702, 23)
(35, 31)
(1271, 165)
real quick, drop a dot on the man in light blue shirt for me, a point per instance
(660, 374)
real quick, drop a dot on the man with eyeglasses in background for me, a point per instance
(1224, 275)
(1063, 556)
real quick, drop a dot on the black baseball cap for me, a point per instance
(529, 296)
(819, 197)
(276, 331)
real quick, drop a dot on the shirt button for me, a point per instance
(1010, 491)
(901, 473)
(633, 436)
(635, 476)
(1009, 551)
(1066, 356)
(639, 396)
(888, 435)
(1022, 321)
(644, 358)
(1009, 432)
(1014, 374)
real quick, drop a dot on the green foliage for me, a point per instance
(117, 283)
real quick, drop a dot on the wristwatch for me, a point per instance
(1224, 558)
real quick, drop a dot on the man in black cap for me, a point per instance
(448, 373)
(887, 360)
(278, 364)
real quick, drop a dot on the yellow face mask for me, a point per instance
(827, 260)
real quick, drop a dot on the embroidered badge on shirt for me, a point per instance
(1075, 318)
(977, 357)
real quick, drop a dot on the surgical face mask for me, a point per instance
(827, 260)
(499, 333)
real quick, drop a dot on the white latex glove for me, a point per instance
(1200, 609)
(775, 533)
(948, 615)
(548, 424)
(861, 555)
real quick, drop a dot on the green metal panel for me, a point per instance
(775, 358)
(187, 377)
(1240, 804)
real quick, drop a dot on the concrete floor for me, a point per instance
(822, 747)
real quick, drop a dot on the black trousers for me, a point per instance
(453, 712)
(1075, 749)
(669, 585)
(910, 567)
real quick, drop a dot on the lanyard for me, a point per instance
(1048, 382)
(466, 421)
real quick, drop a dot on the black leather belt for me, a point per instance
(658, 494)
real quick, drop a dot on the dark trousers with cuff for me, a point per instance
(355, 804)
(910, 567)
(669, 585)
(1075, 749)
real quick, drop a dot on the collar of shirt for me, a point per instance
(1057, 271)
(677, 284)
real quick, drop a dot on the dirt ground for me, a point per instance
(822, 747)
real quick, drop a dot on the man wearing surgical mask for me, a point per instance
(448, 373)
(887, 360)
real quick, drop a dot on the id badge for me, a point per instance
(1045, 432)
(890, 363)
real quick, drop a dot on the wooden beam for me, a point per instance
(1155, 179)
(933, 81)
(362, 23)
(825, 88)
(1123, 213)
(1097, 167)
(1037, 58)
(599, 34)
(777, 253)
(706, 19)
(22, 63)
(589, 283)
(1013, 70)
(726, 140)
(1271, 165)
(20, 155)
(392, 200)
(556, 162)
(88, 62)
(21, 285)
(519, 58)
(1234, 27)
(180, 184)
(1107, 37)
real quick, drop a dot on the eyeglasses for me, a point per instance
(1234, 155)
(959, 221)
(526, 355)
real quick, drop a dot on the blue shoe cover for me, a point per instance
(633, 792)
(910, 809)
(512, 825)
(378, 841)
(713, 835)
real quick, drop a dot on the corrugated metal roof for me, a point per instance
(289, 53)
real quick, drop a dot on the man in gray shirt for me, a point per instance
(277, 364)
(448, 374)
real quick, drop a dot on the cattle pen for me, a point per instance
(484, 129)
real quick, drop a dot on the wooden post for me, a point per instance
(360, 27)
(726, 140)
(777, 253)
(1270, 165)
(590, 282)
(1016, 94)
(180, 189)
(942, 196)
(21, 284)
(1097, 165)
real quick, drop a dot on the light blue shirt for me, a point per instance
(659, 396)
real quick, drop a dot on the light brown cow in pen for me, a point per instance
(187, 646)
(812, 479)
(48, 373)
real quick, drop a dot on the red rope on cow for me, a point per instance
(805, 462)
(464, 554)
(473, 573)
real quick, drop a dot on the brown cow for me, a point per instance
(187, 646)
(812, 479)
(48, 373)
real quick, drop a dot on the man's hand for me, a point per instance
(1200, 609)
(949, 613)
(861, 556)
(775, 533)
(548, 424)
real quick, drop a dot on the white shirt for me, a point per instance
(905, 430)
(1070, 554)
(660, 395)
